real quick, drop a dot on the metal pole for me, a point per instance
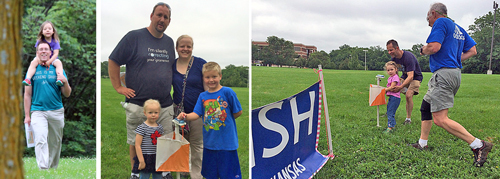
(378, 114)
(495, 6)
(327, 116)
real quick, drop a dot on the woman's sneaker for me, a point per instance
(480, 154)
(27, 82)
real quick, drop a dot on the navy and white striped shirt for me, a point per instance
(149, 135)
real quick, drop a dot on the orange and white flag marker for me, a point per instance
(377, 96)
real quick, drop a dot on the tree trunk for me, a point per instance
(11, 100)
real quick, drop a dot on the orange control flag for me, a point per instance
(172, 153)
(377, 95)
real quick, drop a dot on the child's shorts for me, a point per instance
(149, 159)
(220, 164)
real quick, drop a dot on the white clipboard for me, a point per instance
(30, 136)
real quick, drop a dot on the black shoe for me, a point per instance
(480, 154)
(407, 122)
(168, 176)
(417, 145)
(134, 177)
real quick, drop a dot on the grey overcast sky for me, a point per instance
(220, 29)
(329, 24)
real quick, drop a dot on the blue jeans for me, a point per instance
(145, 175)
(392, 107)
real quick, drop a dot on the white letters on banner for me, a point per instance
(268, 124)
(292, 171)
(297, 118)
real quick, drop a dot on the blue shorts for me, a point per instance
(220, 164)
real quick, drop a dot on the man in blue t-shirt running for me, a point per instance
(44, 111)
(448, 45)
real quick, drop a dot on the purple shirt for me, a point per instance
(54, 45)
(393, 78)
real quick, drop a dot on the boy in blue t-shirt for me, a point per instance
(219, 107)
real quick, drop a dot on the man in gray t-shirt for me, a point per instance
(148, 54)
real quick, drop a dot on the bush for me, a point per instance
(233, 76)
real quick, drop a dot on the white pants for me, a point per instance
(48, 129)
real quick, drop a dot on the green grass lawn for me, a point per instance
(362, 151)
(115, 160)
(67, 168)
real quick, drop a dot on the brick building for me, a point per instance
(300, 49)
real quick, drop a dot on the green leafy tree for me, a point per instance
(256, 53)
(376, 57)
(347, 58)
(423, 60)
(75, 22)
(481, 32)
(330, 65)
(104, 69)
(317, 58)
(279, 51)
(235, 76)
(301, 62)
(337, 56)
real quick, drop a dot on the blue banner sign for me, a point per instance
(284, 137)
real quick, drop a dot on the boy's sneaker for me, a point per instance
(168, 176)
(59, 83)
(134, 177)
(27, 82)
(417, 145)
(407, 121)
(480, 154)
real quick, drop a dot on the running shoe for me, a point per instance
(59, 83)
(480, 154)
(27, 82)
(417, 146)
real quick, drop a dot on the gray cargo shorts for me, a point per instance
(443, 86)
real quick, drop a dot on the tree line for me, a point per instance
(281, 52)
